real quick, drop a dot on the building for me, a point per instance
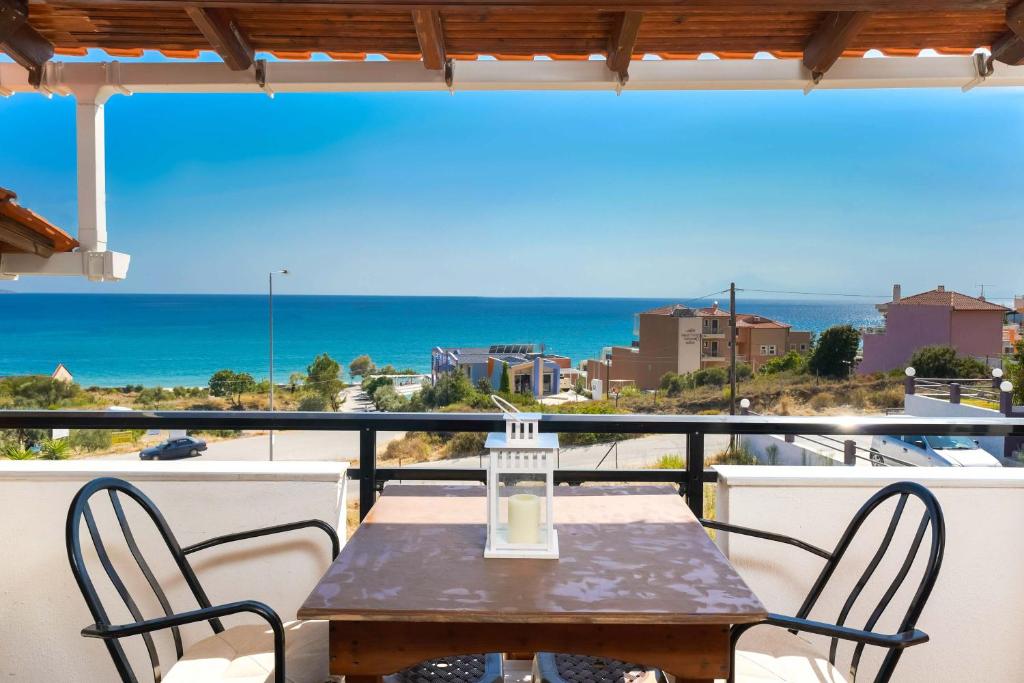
(971, 325)
(530, 371)
(62, 374)
(681, 339)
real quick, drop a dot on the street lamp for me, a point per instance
(270, 309)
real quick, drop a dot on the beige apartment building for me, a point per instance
(680, 339)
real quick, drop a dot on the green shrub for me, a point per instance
(37, 391)
(90, 439)
(55, 449)
(451, 387)
(13, 451)
(714, 377)
(313, 403)
(669, 461)
(466, 443)
(791, 362)
(387, 399)
(943, 361)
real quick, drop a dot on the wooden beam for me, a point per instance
(835, 33)
(547, 5)
(1009, 47)
(22, 42)
(431, 36)
(222, 31)
(622, 41)
(20, 239)
(13, 15)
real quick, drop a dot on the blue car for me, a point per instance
(174, 449)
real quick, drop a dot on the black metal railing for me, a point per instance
(372, 479)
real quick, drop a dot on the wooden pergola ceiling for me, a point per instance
(816, 31)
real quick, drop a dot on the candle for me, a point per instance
(523, 518)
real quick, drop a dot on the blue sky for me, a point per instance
(542, 194)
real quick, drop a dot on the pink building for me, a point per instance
(973, 326)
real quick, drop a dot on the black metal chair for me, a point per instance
(248, 639)
(907, 635)
(551, 667)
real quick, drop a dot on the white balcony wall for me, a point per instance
(41, 608)
(973, 617)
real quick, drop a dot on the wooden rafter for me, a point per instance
(22, 42)
(835, 33)
(622, 41)
(606, 5)
(224, 34)
(430, 35)
(16, 238)
(1009, 49)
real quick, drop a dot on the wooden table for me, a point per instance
(638, 579)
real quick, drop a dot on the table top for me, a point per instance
(628, 554)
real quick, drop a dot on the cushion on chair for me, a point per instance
(550, 667)
(245, 654)
(772, 654)
(477, 668)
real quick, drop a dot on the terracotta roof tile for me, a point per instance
(954, 300)
(52, 236)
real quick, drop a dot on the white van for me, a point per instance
(930, 451)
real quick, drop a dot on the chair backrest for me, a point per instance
(80, 510)
(931, 524)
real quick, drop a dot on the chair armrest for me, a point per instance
(203, 614)
(191, 617)
(768, 536)
(896, 641)
(267, 531)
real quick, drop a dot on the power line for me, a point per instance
(778, 291)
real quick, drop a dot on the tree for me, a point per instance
(295, 381)
(484, 386)
(361, 366)
(835, 352)
(231, 384)
(322, 377)
(942, 361)
(505, 385)
(451, 387)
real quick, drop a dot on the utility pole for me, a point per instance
(732, 348)
(270, 317)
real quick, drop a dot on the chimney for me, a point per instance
(941, 288)
(897, 293)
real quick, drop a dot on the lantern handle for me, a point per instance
(503, 405)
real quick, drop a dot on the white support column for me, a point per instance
(92, 171)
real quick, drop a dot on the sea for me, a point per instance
(180, 340)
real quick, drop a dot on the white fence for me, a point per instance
(974, 616)
(41, 608)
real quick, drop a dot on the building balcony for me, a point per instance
(971, 618)
(708, 334)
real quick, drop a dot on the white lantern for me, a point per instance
(520, 488)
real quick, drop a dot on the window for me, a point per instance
(768, 349)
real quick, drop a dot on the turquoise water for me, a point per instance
(168, 340)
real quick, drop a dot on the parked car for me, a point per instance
(174, 449)
(930, 451)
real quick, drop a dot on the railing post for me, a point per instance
(367, 470)
(954, 392)
(695, 473)
(1006, 399)
(909, 386)
(849, 452)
